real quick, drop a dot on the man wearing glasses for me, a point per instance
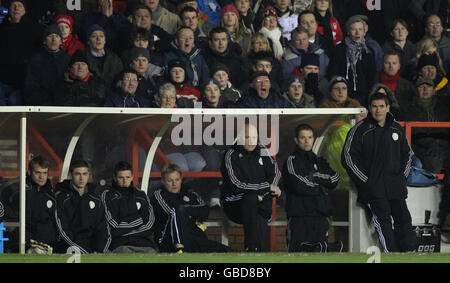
(125, 96)
(434, 30)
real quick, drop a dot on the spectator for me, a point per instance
(148, 74)
(261, 95)
(271, 29)
(355, 61)
(294, 93)
(251, 179)
(81, 215)
(264, 62)
(80, 87)
(419, 10)
(142, 38)
(338, 95)
(166, 97)
(307, 179)
(308, 21)
(395, 105)
(162, 17)
(129, 213)
(189, 18)
(211, 96)
(327, 24)
(287, 19)
(219, 51)
(229, 19)
(309, 71)
(180, 214)
(390, 76)
(221, 73)
(204, 22)
(70, 42)
(184, 49)
(431, 145)
(428, 66)
(400, 43)
(381, 183)
(298, 47)
(435, 30)
(24, 38)
(103, 62)
(246, 14)
(370, 42)
(186, 93)
(125, 95)
(45, 69)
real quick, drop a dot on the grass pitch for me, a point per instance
(230, 258)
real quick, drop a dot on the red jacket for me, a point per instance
(72, 45)
(335, 29)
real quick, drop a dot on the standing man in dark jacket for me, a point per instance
(81, 215)
(377, 157)
(251, 179)
(307, 180)
(129, 213)
(180, 214)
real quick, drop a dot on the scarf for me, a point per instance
(78, 79)
(390, 82)
(66, 42)
(275, 36)
(354, 54)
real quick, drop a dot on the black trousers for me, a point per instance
(253, 215)
(397, 238)
(307, 233)
(180, 229)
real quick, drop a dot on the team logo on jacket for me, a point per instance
(395, 136)
(315, 167)
(49, 204)
(261, 161)
(186, 199)
(138, 205)
(91, 204)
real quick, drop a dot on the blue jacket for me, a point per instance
(120, 99)
(252, 100)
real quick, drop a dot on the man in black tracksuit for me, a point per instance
(307, 179)
(129, 213)
(180, 214)
(81, 215)
(251, 179)
(377, 157)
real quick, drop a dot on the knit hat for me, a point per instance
(95, 27)
(176, 63)
(65, 19)
(209, 82)
(136, 52)
(269, 11)
(335, 80)
(424, 80)
(290, 80)
(52, 29)
(220, 67)
(8, 4)
(229, 8)
(78, 56)
(355, 19)
(426, 60)
(310, 59)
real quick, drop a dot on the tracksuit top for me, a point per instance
(307, 178)
(81, 219)
(378, 159)
(245, 172)
(130, 216)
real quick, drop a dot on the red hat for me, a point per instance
(269, 11)
(229, 8)
(66, 19)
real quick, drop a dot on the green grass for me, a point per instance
(230, 258)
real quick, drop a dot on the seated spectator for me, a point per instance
(179, 215)
(162, 17)
(221, 73)
(298, 47)
(327, 24)
(184, 89)
(46, 69)
(184, 49)
(260, 94)
(400, 43)
(189, 18)
(431, 145)
(204, 22)
(390, 76)
(338, 95)
(125, 95)
(129, 213)
(246, 14)
(142, 38)
(435, 30)
(219, 51)
(81, 215)
(264, 62)
(295, 95)
(70, 42)
(426, 46)
(307, 20)
(271, 29)
(166, 97)
(355, 61)
(80, 87)
(23, 39)
(229, 19)
(149, 75)
(428, 66)
(309, 71)
(211, 96)
(394, 104)
(287, 19)
(103, 62)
